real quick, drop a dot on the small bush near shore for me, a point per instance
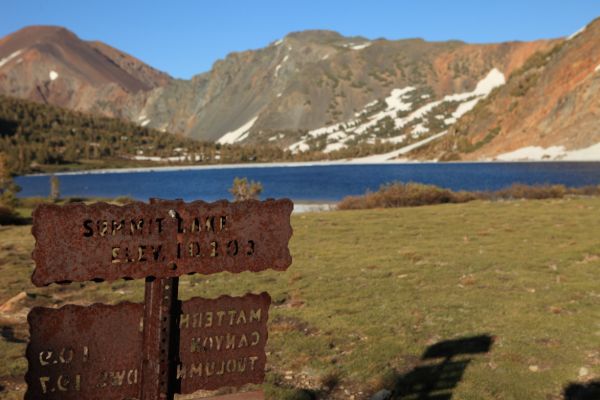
(417, 194)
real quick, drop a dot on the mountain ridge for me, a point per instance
(295, 90)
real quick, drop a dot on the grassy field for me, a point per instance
(484, 300)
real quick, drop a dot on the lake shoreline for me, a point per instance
(171, 168)
(308, 182)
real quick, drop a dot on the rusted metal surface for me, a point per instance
(77, 242)
(90, 353)
(159, 343)
(222, 342)
(161, 309)
(152, 351)
(104, 352)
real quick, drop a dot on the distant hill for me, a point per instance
(319, 94)
(50, 64)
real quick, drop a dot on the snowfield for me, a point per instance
(339, 134)
(575, 34)
(392, 155)
(553, 153)
(360, 46)
(239, 134)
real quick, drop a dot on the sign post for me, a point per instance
(165, 346)
(160, 300)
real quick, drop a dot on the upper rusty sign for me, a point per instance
(78, 242)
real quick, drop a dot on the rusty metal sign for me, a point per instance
(78, 242)
(222, 342)
(78, 352)
(97, 352)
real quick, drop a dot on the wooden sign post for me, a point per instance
(153, 350)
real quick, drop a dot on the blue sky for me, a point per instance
(184, 38)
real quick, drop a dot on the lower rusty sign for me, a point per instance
(78, 352)
(222, 342)
(95, 352)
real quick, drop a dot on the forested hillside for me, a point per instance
(37, 137)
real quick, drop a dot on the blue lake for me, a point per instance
(311, 183)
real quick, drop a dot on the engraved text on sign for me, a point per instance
(78, 242)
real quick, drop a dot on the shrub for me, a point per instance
(520, 191)
(54, 188)
(244, 190)
(404, 195)
(417, 194)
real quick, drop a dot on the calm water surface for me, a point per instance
(321, 183)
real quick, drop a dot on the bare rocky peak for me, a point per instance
(51, 64)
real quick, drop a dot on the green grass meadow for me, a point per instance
(370, 291)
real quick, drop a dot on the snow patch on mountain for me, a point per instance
(537, 153)
(360, 46)
(493, 79)
(333, 147)
(397, 104)
(6, 60)
(461, 110)
(396, 99)
(591, 153)
(53, 75)
(366, 108)
(379, 158)
(575, 34)
(464, 108)
(239, 134)
(278, 67)
(419, 129)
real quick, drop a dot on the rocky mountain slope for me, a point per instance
(313, 79)
(548, 109)
(320, 92)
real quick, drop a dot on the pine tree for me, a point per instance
(54, 188)
(8, 189)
